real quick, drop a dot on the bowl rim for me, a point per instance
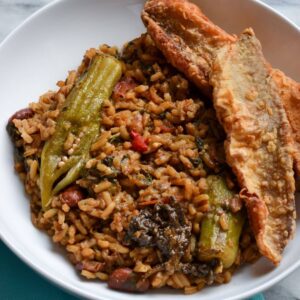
(70, 288)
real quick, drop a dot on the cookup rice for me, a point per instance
(136, 212)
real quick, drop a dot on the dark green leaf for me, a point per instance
(116, 139)
(108, 160)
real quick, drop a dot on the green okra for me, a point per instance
(80, 117)
(215, 242)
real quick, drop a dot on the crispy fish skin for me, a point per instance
(187, 38)
(290, 95)
(259, 142)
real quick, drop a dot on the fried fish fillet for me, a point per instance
(189, 41)
(290, 95)
(259, 141)
(186, 37)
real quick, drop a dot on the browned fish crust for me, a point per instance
(259, 142)
(187, 38)
(290, 95)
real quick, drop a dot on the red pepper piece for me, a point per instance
(138, 142)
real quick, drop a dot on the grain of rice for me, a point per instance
(65, 207)
(202, 198)
(61, 217)
(183, 279)
(80, 227)
(88, 204)
(208, 161)
(163, 158)
(159, 280)
(30, 152)
(103, 244)
(118, 248)
(72, 77)
(34, 165)
(26, 137)
(141, 267)
(50, 213)
(127, 145)
(102, 276)
(87, 221)
(108, 210)
(141, 89)
(154, 96)
(172, 172)
(71, 234)
(202, 184)
(224, 222)
(88, 253)
(72, 248)
(103, 168)
(124, 133)
(57, 237)
(101, 141)
(192, 209)
(187, 163)
(177, 145)
(102, 186)
(69, 141)
(88, 243)
(88, 275)
(157, 76)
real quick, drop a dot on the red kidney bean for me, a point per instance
(72, 195)
(22, 114)
(124, 279)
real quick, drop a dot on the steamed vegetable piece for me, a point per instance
(80, 119)
(217, 241)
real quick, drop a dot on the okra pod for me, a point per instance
(81, 118)
(220, 229)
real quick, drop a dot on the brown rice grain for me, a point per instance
(50, 213)
(108, 210)
(102, 186)
(88, 274)
(88, 253)
(80, 227)
(101, 141)
(103, 244)
(102, 276)
(34, 165)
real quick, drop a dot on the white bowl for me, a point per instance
(53, 41)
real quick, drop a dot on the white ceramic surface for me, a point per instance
(53, 41)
